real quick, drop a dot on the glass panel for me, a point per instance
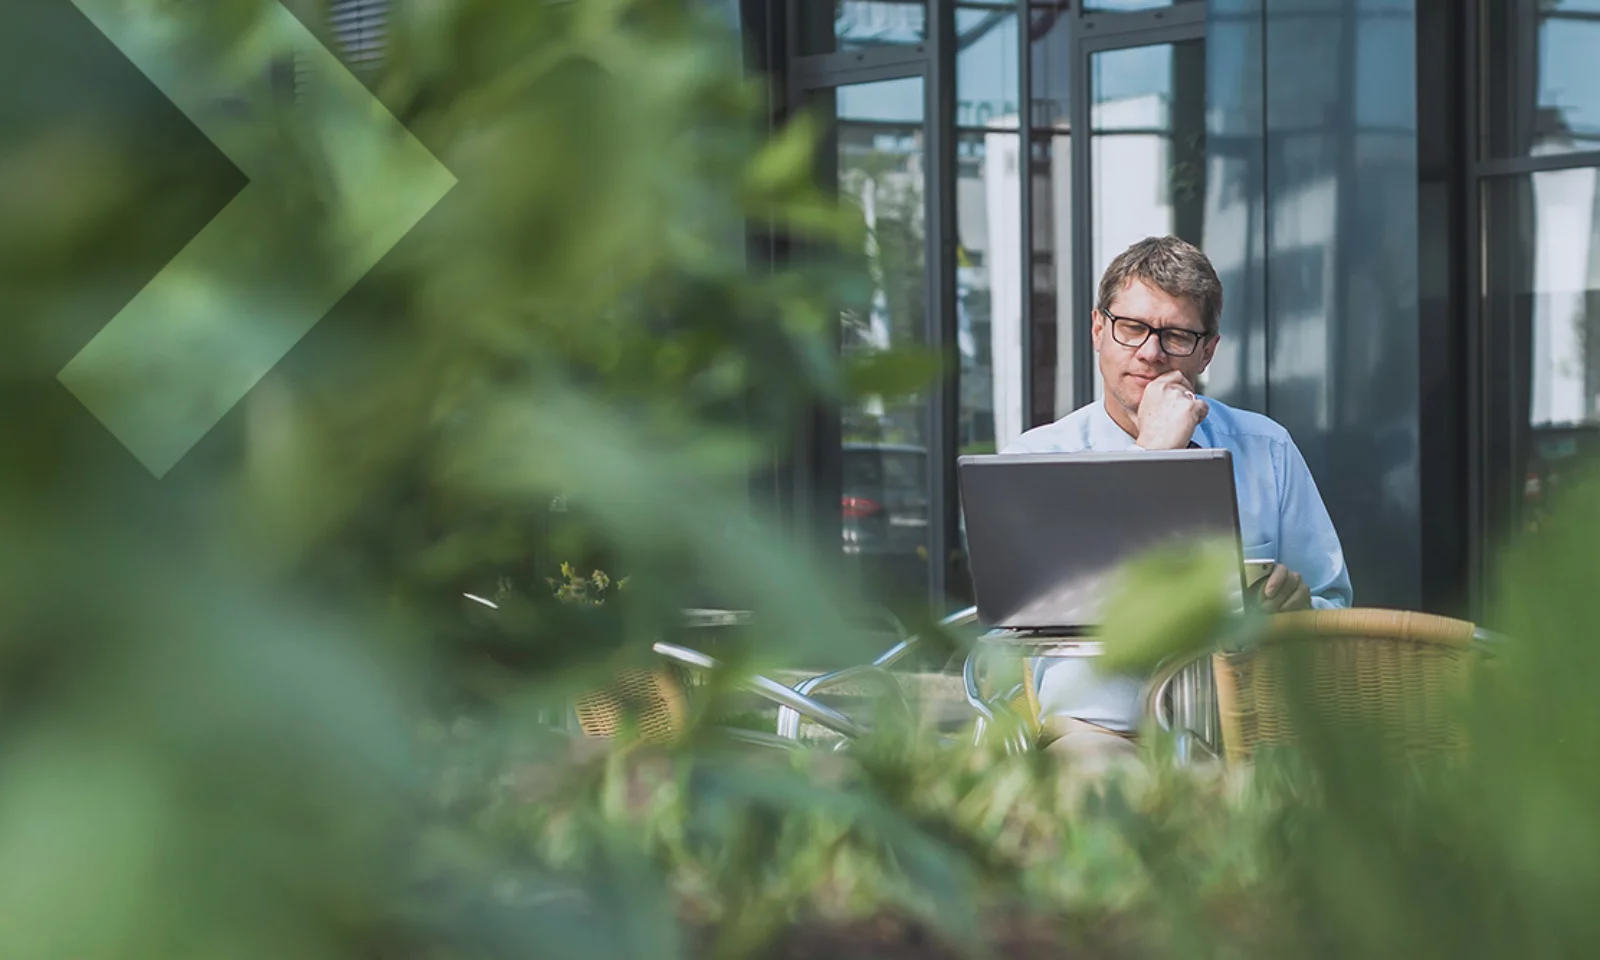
(988, 302)
(846, 25)
(1542, 287)
(1108, 6)
(1541, 94)
(885, 499)
(1050, 161)
(989, 286)
(988, 241)
(1051, 63)
(986, 67)
(1147, 148)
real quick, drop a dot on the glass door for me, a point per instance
(876, 161)
(1146, 153)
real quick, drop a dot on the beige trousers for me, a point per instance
(1088, 747)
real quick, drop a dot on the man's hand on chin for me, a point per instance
(1169, 412)
(1284, 590)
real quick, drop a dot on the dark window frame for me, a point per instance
(1495, 438)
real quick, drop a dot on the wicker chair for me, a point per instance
(1395, 671)
(653, 703)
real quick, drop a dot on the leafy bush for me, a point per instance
(249, 713)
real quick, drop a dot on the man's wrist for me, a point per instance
(1144, 444)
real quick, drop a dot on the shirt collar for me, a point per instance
(1104, 434)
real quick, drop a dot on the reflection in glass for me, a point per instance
(1147, 147)
(848, 25)
(1050, 164)
(988, 226)
(1540, 91)
(1542, 237)
(988, 242)
(1051, 62)
(986, 66)
(885, 502)
(988, 278)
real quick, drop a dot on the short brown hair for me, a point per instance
(1175, 267)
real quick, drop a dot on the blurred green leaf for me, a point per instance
(892, 374)
(787, 159)
(249, 712)
(1171, 602)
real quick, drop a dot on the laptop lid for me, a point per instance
(1046, 533)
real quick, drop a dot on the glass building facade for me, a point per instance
(1402, 198)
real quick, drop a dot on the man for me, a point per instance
(1155, 332)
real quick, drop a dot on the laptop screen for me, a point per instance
(1048, 533)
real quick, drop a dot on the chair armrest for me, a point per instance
(789, 719)
(1154, 705)
(816, 712)
(975, 698)
(1017, 740)
(1154, 695)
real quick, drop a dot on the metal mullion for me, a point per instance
(1142, 21)
(1025, 198)
(1078, 86)
(1264, 160)
(1092, 43)
(819, 478)
(1476, 329)
(860, 66)
(1517, 166)
(791, 41)
(943, 406)
(828, 81)
(1579, 16)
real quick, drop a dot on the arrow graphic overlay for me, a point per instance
(233, 303)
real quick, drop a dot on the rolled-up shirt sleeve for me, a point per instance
(1311, 546)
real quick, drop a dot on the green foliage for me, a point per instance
(592, 589)
(1170, 603)
(249, 715)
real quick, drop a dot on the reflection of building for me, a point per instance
(999, 188)
(1566, 264)
(1132, 157)
(880, 172)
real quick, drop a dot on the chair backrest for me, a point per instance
(652, 703)
(1396, 671)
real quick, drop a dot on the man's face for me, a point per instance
(1128, 370)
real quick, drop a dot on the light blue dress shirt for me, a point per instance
(1281, 518)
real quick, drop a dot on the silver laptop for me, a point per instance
(1046, 533)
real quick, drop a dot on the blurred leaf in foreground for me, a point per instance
(1170, 602)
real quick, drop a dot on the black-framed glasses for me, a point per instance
(1175, 341)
